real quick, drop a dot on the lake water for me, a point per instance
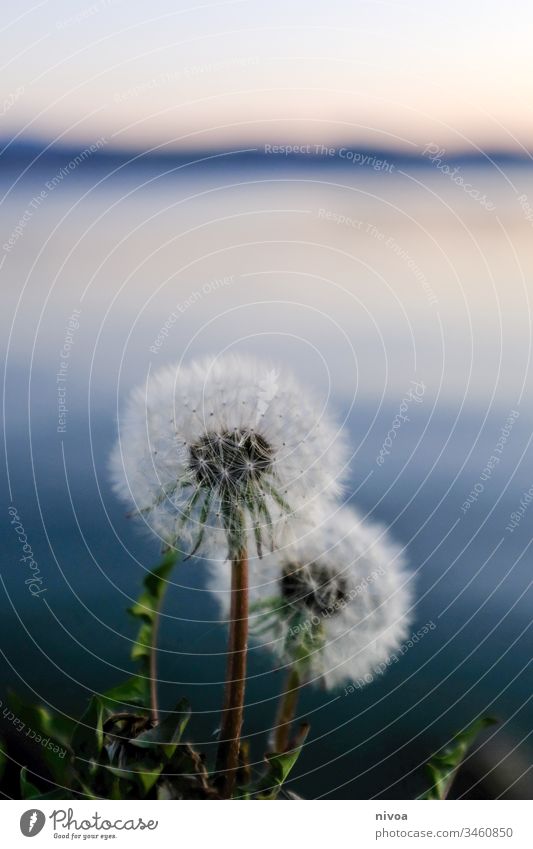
(361, 282)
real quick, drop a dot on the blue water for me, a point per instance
(336, 306)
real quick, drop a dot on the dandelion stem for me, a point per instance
(286, 711)
(154, 705)
(155, 588)
(232, 714)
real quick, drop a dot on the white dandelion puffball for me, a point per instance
(224, 443)
(337, 601)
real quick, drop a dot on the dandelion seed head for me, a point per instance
(312, 587)
(224, 436)
(234, 459)
(340, 592)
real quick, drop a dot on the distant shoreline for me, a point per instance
(271, 157)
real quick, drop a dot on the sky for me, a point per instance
(244, 73)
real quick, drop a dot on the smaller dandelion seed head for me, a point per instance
(313, 587)
(337, 600)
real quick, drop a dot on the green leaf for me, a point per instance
(144, 756)
(147, 779)
(167, 734)
(147, 610)
(143, 773)
(88, 737)
(154, 585)
(40, 726)
(142, 647)
(30, 791)
(279, 767)
(444, 765)
(38, 718)
(136, 690)
(27, 789)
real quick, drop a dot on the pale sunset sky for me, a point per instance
(244, 73)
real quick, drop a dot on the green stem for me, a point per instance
(233, 710)
(286, 711)
(152, 661)
(154, 704)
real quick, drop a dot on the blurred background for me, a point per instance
(347, 191)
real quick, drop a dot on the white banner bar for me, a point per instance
(240, 825)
